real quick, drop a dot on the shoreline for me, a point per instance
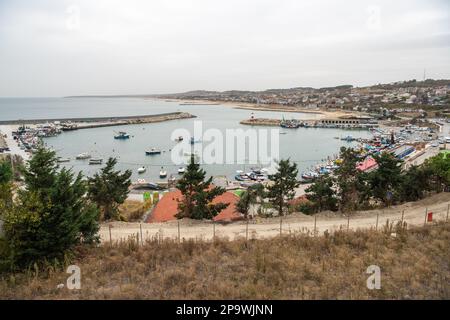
(260, 107)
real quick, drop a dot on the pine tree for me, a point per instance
(348, 179)
(386, 180)
(5, 185)
(284, 183)
(109, 188)
(198, 194)
(51, 215)
(41, 171)
(322, 194)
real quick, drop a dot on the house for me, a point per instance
(167, 208)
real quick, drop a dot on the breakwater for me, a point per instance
(95, 122)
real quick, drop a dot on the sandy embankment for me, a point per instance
(267, 107)
(414, 215)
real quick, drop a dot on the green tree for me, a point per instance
(386, 180)
(41, 171)
(5, 185)
(322, 194)
(52, 214)
(414, 183)
(198, 194)
(284, 183)
(349, 180)
(249, 198)
(439, 167)
(109, 188)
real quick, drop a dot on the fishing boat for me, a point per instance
(141, 170)
(122, 135)
(61, 160)
(152, 151)
(83, 156)
(162, 173)
(181, 170)
(289, 124)
(96, 161)
(348, 139)
(141, 184)
(241, 176)
(179, 139)
(310, 175)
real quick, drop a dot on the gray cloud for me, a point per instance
(117, 47)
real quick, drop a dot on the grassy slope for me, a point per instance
(414, 264)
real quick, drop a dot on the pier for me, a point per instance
(96, 122)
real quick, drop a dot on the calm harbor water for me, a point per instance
(305, 146)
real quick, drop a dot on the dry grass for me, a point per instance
(414, 264)
(132, 210)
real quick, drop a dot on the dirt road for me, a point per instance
(414, 215)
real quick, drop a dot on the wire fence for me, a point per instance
(260, 228)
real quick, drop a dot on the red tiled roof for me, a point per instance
(367, 164)
(167, 207)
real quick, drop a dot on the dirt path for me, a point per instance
(414, 214)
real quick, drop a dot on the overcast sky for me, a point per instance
(58, 48)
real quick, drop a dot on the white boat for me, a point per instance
(61, 160)
(162, 173)
(96, 161)
(181, 170)
(141, 170)
(83, 156)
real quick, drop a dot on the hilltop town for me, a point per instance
(383, 99)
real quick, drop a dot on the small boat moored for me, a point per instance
(141, 170)
(162, 173)
(83, 156)
(122, 135)
(181, 170)
(96, 161)
(152, 151)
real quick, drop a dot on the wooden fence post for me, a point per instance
(376, 225)
(246, 231)
(426, 212)
(179, 236)
(110, 237)
(214, 231)
(403, 215)
(348, 222)
(315, 224)
(142, 238)
(448, 208)
(281, 221)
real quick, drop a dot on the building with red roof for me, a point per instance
(167, 207)
(369, 164)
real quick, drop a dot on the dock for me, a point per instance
(96, 122)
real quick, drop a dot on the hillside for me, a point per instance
(415, 264)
